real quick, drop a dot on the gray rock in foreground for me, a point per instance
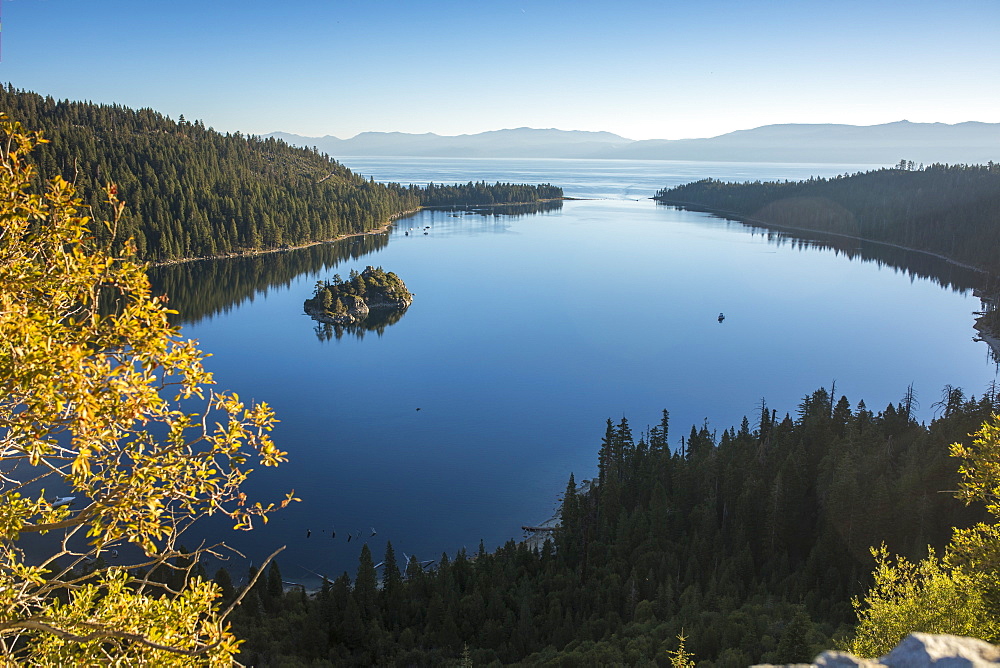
(916, 651)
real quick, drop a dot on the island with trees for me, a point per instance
(762, 542)
(350, 302)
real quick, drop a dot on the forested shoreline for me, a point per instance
(481, 193)
(751, 541)
(194, 193)
(947, 210)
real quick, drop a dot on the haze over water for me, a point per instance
(528, 332)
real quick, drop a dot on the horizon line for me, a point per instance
(608, 132)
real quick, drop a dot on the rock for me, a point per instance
(925, 649)
(918, 650)
(834, 659)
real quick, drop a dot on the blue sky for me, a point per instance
(643, 70)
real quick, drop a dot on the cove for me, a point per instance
(528, 331)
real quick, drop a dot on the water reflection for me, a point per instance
(377, 321)
(916, 264)
(210, 287)
(506, 210)
(206, 288)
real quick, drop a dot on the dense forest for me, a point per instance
(950, 210)
(751, 542)
(191, 191)
(349, 301)
(482, 193)
(194, 192)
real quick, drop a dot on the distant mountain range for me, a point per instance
(888, 143)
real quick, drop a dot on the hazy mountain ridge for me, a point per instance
(970, 142)
(510, 143)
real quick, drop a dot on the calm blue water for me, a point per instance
(527, 333)
(598, 179)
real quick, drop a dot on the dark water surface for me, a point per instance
(527, 332)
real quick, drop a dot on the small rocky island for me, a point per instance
(351, 302)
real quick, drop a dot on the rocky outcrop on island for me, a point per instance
(351, 302)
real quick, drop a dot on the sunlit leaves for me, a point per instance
(924, 596)
(96, 398)
(959, 594)
(980, 468)
(107, 622)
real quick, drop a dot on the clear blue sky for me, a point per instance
(657, 69)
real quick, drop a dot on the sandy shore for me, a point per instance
(989, 338)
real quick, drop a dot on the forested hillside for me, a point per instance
(951, 210)
(193, 192)
(751, 541)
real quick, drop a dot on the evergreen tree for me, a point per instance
(753, 544)
(568, 537)
(365, 589)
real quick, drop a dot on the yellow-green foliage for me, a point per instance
(980, 468)
(680, 657)
(91, 376)
(957, 594)
(926, 596)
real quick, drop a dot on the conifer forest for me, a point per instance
(749, 543)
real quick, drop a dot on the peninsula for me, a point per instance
(350, 302)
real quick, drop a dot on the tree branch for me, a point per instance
(45, 624)
(246, 590)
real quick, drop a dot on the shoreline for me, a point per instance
(382, 229)
(442, 207)
(740, 218)
(991, 339)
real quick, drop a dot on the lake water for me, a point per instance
(527, 332)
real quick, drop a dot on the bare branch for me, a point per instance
(246, 590)
(76, 520)
(45, 624)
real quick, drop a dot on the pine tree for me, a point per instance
(365, 589)
(568, 536)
